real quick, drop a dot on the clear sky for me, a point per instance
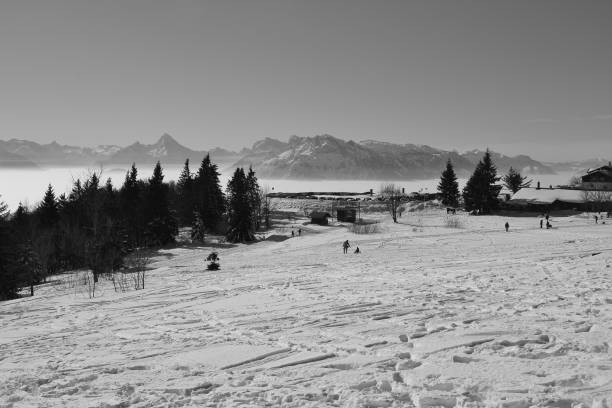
(530, 77)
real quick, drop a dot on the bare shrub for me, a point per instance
(136, 265)
(120, 281)
(365, 228)
(392, 196)
(597, 200)
(452, 221)
(134, 273)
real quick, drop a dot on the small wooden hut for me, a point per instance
(319, 217)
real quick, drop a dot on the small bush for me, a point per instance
(452, 221)
(364, 228)
(213, 261)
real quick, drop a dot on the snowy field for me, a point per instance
(425, 316)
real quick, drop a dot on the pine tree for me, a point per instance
(10, 279)
(254, 197)
(20, 218)
(4, 213)
(131, 205)
(48, 209)
(514, 181)
(184, 187)
(103, 240)
(198, 230)
(239, 209)
(480, 193)
(161, 225)
(448, 186)
(208, 197)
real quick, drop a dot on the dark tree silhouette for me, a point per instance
(514, 181)
(48, 211)
(240, 213)
(10, 280)
(209, 199)
(161, 224)
(184, 190)
(254, 197)
(448, 186)
(480, 193)
(131, 205)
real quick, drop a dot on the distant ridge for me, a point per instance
(328, 157)
(166, 149)
(315, 157)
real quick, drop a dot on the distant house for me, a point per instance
(542, 200)
(598, 179)
(320, 218)
(504, 194)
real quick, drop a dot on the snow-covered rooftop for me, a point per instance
(549, 196)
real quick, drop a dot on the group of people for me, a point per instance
(299, 232)
(548, 225)
(346, 246)
(601, 217)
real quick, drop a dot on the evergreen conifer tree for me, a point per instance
(161, 225)
(254, 197)
(480, 193)
(239, 209)
(48, 209)
(208, 197)
(9, 268)
(514, 181)
(184, 187)
(448, 186)
(20, 218)
(130, 199)
(4, 213)
(198, 230)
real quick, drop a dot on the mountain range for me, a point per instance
(327, 157)
(316, 157)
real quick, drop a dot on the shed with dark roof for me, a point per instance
(319, 217)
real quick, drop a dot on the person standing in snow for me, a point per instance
(346, 246)
(541, 223)
(507, 226)
(299, 232)
(596, 219)
(292, 234)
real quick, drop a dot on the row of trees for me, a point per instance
(481, 190)
(96, 225)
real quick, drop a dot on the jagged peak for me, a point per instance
(166, 139)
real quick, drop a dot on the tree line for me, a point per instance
(96, 225)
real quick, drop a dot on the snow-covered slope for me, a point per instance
(425, 316)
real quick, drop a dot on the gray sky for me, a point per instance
(530, 77)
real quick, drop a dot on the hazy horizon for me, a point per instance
(519, 77)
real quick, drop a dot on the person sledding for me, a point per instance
(346, 246)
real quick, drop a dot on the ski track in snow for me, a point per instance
(438, 317)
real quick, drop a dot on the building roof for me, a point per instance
(548, 196)
(319, 214)
(603, 172)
